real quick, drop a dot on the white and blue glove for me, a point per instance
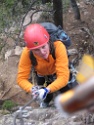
(43, 93)
(39, 93)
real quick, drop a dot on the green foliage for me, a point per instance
(5, 16)
(66, 4)
(11, 12)
(8, 104)
(8, 3)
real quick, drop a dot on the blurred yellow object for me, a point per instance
(81, 97)
(67, 95)
(86, 69)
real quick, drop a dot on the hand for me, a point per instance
(35, 92)
(42, 93)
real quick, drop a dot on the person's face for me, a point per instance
(42, 51)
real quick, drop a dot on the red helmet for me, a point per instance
(35, 36)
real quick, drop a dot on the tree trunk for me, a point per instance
(58, 12)
(75, 9)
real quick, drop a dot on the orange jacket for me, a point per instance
(44, 67)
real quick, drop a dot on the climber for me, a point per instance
(56, 70)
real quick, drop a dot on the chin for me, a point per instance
(45, 57)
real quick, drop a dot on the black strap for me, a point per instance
(33, 59)
(52, 49)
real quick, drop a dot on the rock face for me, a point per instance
(47, 116)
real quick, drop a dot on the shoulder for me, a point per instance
(25, 51)
(25, 56)
(59, 44)
(60, 49)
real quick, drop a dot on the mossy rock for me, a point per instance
(8, 105)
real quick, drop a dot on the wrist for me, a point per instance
(48, 90)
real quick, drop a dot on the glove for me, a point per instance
(35, 92)
(42, 93)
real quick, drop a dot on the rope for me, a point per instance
(21, 113)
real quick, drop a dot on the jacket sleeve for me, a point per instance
(62, 68)
(24, 69)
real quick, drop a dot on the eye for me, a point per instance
(44, 46)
